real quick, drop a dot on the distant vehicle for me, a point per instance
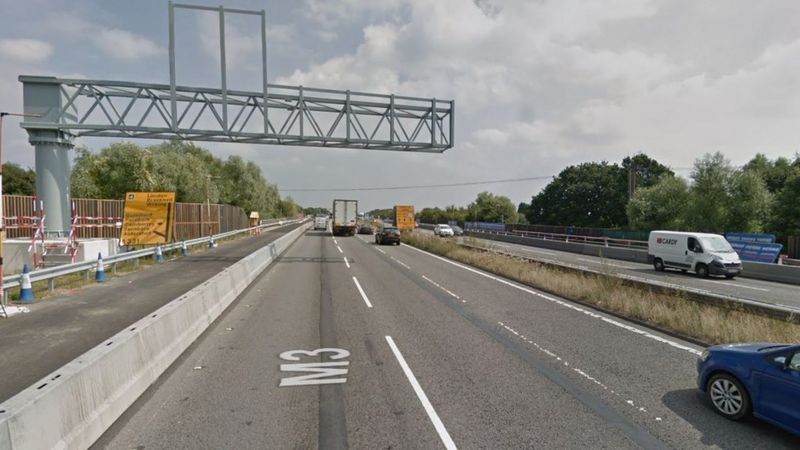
(365, 228)
(404, 217)
(321, 222)
(345, 216)
(443, 230)
(457, 230)
(388, 235)
(705, 254)
(758, 379)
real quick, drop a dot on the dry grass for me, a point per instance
(681, 315)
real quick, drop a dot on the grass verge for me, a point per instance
(671, 312)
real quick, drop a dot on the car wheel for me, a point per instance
(658, 264)
(701, 270)
(728, 396)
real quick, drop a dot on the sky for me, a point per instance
(538, 84)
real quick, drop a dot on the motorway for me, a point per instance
(787, 295)
(421, 352)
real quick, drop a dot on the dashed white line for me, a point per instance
(380, 250)
(437, 422)
(574, 369)
(565, 304)
(361, 291)
(443, 288)
(738, 285)
(605, 263)
(340, 249)
(400, 262)
(346, 262)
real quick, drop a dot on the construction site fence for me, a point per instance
(192, 220)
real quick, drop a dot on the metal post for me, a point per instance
(264, 68)
(222, 69)
(347, 113)
(173, 102)
(391, 119)
(301, 104)
(452, 121)
(433, 121)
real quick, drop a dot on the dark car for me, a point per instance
(457, 230)
(365, 228)
(388, 235)
(758, 379)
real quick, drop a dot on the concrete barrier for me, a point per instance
(758, 271)
(74, 405)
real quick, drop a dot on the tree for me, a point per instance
(786, 218)
(750, 203)
(661, 205)
(488, 207)
(709, 199)
(774, 173)
(314, 210)
(648, 171)
(289, 208)
(18, 180)
(586, 195)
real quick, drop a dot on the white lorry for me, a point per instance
(345, 217)
(705, 254)
(321, 222)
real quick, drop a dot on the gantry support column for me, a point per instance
(45, 97)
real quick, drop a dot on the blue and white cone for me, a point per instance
(25, 291)
(100, 274)
(212, 243)
(184, 249)
(158, 255)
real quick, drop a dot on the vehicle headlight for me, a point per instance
(705, 355)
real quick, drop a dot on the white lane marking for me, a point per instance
(361, 291)
(380, 250)
(543, 252)
(443, 288)
(565, 304)
(340, 249)
(605, 263)
(400, 262)
(346, 262)
(335, 241)
(738, 285)
(437, 422)
(574, 369)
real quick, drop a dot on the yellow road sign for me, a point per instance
(148, 218)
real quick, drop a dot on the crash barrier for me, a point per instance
(754, 270)
(52, 273)
(73, 406)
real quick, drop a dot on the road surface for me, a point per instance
(743, 288)
(342, 343)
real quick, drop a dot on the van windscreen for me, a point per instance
(715, 244)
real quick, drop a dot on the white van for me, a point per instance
(705, 254)
(321, 222)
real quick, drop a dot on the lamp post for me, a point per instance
(3, 114)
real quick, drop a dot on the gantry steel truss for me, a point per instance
(294, 115)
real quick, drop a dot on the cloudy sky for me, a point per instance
(538, 84)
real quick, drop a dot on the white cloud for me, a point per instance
(125, 45)
(25, 50)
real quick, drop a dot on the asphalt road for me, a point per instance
(59, 329)
(742, 288)
(421, 352)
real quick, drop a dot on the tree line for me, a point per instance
(192, 172)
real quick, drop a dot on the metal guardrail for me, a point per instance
(569, 238)
(51, 273)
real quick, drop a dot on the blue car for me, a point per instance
(758, 379)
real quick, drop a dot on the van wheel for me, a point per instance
(658, 264)
(701, 270)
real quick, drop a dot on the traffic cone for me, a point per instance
(212, 243)
(158, 255)
(25, 291)
(100, 274)
(184, 249)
